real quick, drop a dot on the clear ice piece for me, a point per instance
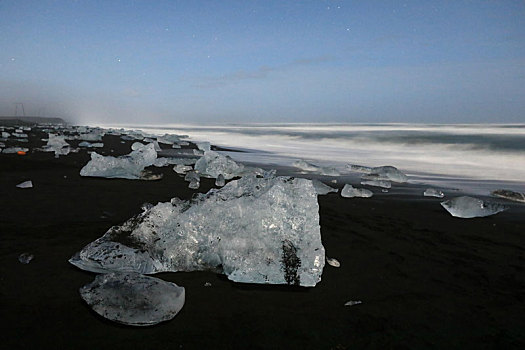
(470, 207)
(25, 258)
(321, 188)
(212, 164)
(194, 184)
(333, 262)
(130, 166)
(349, 191)
(377, 183)
(305, 166)
(182, 169)
(25, 184)
(15, 150)
(432, 192)
(220, 181)
(203, 146)
(254, 230)
(133, 299)
(353, 302)
(57, 144)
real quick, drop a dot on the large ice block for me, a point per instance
(211, 164)
(130, 166)
(57, 144)
(255, 230)
(133, 299)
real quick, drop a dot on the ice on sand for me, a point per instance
(386, 173)
(470, 207)
(211, 164)
(25, 184)
(133, 299)
(25, 258)
(305, 166)
(15, 150)
(377, 183)
(323, 189)
(182, 169)
(57, 144)
(510, 195)
(130, 166)
(353, 302)
(333, 262)
(350, 191)
(220, 181)
(91, 144)
(432, 192)
(254, 230)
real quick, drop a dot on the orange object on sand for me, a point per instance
(21, 153)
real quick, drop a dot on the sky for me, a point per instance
(264, 61)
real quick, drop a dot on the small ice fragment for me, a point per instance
(353, 302)
(510, 195)
(321, 188)
(220, 181)
(333, 262)
(388, 173)
(432, 192)
(207, 284)
(25, 258)
(182, 169)
(329, 171)
(137, 145)
(377, 183)
(470, 207)
(161, 162)
(212, 164)
(359, 168)
(25, 184)
(350, 191)
(203, 146)
(15, 150)
(194, 184)
(384, 190)
(191, 176)
(90, 144)
(133, 299)
(334, 181)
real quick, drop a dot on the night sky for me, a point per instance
(264, 61)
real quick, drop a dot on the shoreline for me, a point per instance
(426, 279)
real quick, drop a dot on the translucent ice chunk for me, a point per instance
(57, 144)
(359, 168)
(329, 171)
(322, 189)
(212, 164)
(91, 145)
(194, 184)
(5, 134)
(25, 258)
(203, 146)
(192, 176)
(469, 207)
(133, 299)
(432, 192)
(377, 183)
(220, 181)
(305, 166)
(130, 166)
(255, 230)
(182, 169)
(350, 191)
(353, 302)
(510, 195)
(333, 262)
(25, 184)
(94, 135)
(168, 139)
(388, 173)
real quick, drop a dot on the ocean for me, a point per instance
(477, 158)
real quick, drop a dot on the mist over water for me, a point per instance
(438, 154)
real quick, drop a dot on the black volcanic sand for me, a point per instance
(426, 279)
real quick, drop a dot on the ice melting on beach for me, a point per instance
(377, 183)
(130, 166)
(57, 144)
(385, 173)
(322, 189)
(212, 164)
(25, 258)
(25, 184)
(350, 191)
(510, 195)
(254, 230)
(133, 299)
(469, 207)
(432, 192)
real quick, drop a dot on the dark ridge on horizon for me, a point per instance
(13, 120)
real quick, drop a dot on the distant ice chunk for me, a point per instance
(168, 139)
(93, 135)
(212, 164)
(306, 166)
(353, 302)
(25, 184)
(90, 144)
(327, 171)
(130, 166)
(432, 192)
(19, 135)
(470, 207)
(385, 173)
(133, 299)
(220, 181)
(203, 146)
(15, 150)
(377, 183)
(359, 168)
(510, 195)
(254, 230)
(25, 258)
(57, 144)
(349, 191)
(5, 134)
(323, 189)
(333, 262)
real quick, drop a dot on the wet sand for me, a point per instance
(427, 280)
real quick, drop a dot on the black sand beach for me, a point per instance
(426, 280)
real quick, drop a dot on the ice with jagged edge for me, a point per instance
(254, 230)
(377, 183)
(432, 192)
(349, 191)
(57, 143)
(211, 164)
(470, 207)
(133, 299)
(321, 188)
(384, 173)
(510, 195)
(130, 166)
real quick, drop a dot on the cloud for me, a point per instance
(259, 73)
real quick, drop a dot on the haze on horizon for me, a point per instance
(264, 61)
